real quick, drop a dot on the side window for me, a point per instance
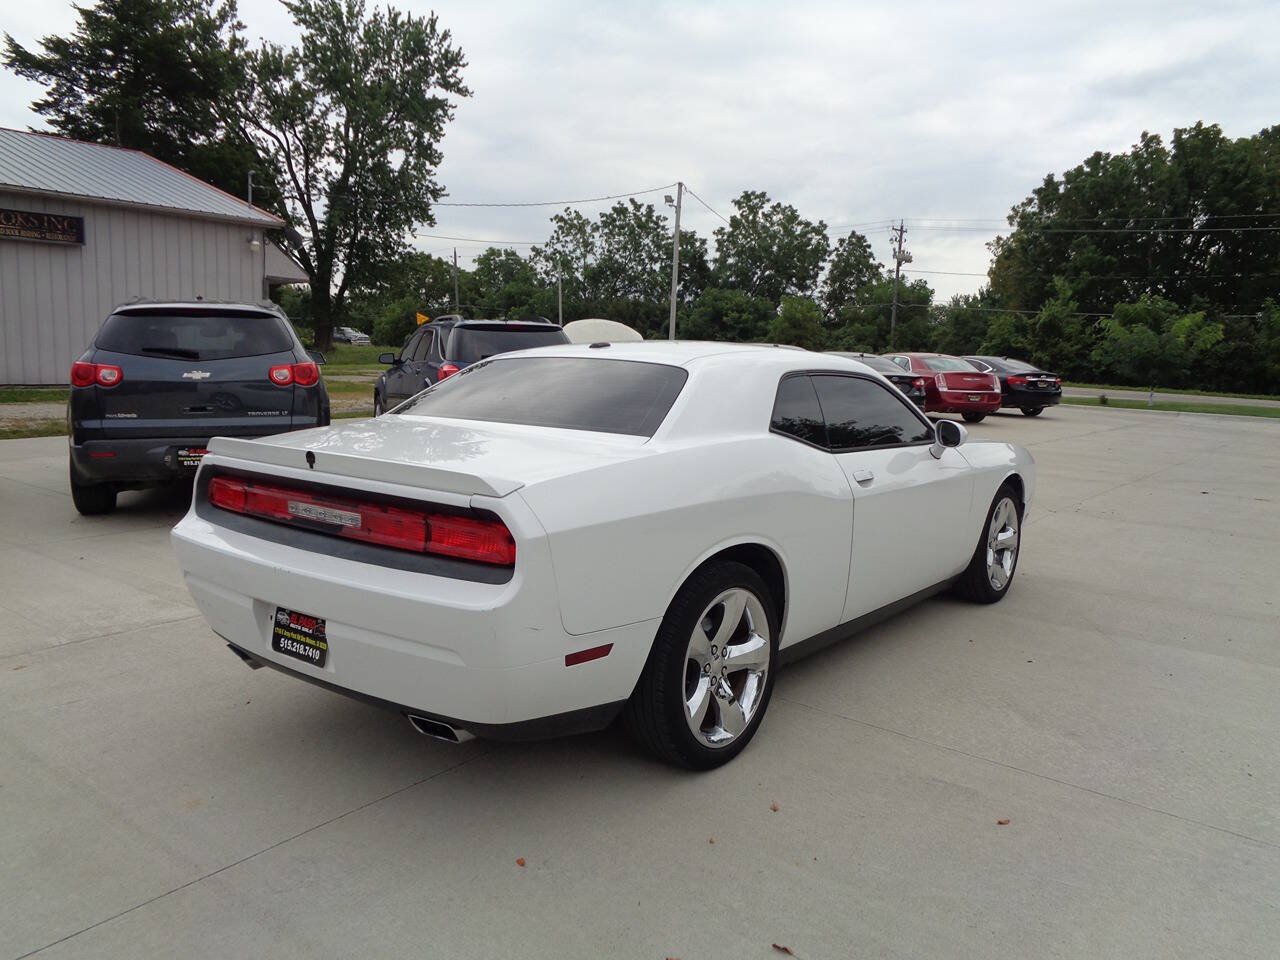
(981, 365)
(903, 362)
(423, 348)
(410, 345)
(861, 413)
(796, 412)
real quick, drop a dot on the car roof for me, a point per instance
(673, 352)
(213, 306)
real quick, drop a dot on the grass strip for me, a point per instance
(1225, 409)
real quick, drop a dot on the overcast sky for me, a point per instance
(854, 113)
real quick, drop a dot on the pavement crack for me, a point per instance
(1030, 773)
(251, 856)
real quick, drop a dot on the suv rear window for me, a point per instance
(574, 393)
(473, 344)
(198, 335)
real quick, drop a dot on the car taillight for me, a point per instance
(918, 382)
(1057, 381)
(447, 370)
(87, 374)
(306, 374)
(1017, 381)
(303, 374)
(941, 380)
(995, 383)
(419, 531)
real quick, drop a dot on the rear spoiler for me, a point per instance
(363, 468)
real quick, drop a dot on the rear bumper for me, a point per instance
(1031, 398)
(133, 460)
(958, 401)
(488, 658)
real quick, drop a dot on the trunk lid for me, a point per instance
(170, 396)
(455, 456)
(970, 381)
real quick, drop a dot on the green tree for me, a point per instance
(853, 266)
(351, 119)
(506, 284)
(729, 315)
(799, 324)
(769, 250)
(160, 76)
(960, 325)
(864, 325)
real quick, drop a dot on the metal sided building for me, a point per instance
(85, 227)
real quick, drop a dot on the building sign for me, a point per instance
(40, 227)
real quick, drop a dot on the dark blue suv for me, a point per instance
(441, 348)
(161, 379)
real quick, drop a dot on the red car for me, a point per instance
(952, 385)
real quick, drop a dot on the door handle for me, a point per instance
(863, 476)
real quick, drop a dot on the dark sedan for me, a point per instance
(909, 383)
(1022, 385)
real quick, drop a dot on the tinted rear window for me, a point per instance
(1013, 366)
(950, 365)
(575, 393)
(473, 344)
(194, 336)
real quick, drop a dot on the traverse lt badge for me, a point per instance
(197, 375)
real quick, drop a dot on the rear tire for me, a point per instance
(995, 558)
(691, 707)
(92, 499)
(1032, 411)
(973, 417)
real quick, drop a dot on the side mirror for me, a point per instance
(947, 433)
(387, 358)
(316, 357)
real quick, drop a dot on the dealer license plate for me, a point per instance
(299, 636)
(190, 456)
(975, 396)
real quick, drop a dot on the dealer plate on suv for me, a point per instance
(300, 636)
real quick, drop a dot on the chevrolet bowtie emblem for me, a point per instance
(197, 375)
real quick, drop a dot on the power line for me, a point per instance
(518, 243)
(1118, 276)
(689, 190)
(559, 203)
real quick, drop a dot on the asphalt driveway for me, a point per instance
(1121, 709)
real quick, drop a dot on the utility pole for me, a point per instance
(675, 261)
(559, 300)
(455, 279)
(251, 187)
(900, 257)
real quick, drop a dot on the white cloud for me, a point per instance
(850, 112)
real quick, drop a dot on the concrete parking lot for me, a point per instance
(1121, 709)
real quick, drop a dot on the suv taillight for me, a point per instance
(447, 370)
(87, 374)
(303, 374)
(401, 528)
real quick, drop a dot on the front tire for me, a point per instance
(378, 409)
(973, 417)
(1032, 411)
(707, 683)
(995, 559)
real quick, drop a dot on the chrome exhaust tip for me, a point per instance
(438, 730)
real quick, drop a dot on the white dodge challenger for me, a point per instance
(558, 536)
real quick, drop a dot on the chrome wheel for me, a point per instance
(726, 664)
(1002, 544)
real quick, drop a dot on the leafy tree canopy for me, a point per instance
(351, 120)
(161, 76)
(769, 250)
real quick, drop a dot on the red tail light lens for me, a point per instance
(918, 382)
(1017, 381)
(941, 380)
(83, 374)
(447, 370)
(1057, 381)
(87, 374)
(306, 374)
(401, 528)
(282, 375)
